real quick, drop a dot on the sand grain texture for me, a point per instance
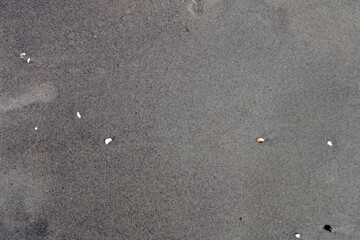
(183, 110)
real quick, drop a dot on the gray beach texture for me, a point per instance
(183, 88)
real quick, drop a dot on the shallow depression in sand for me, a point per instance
(44, 92)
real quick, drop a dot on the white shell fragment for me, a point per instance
(22, 55)
(329, 143)
(108, 140)
(36, 128)
(78, 115)
(260, 140)
(28, 60)
(297, 235)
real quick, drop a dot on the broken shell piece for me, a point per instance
(329, 143)
(22, 55)
(108, 140)
(297, 235)
(36, 128)
(78, 115)
(260, 140)
(28, 60)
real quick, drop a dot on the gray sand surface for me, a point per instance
(183, 88)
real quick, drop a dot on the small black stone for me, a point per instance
(328, 228)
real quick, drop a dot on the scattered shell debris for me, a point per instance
(260, 140)
(297, 235)
(329, 143)
(78, 115)
(108, 140)
(22, 56)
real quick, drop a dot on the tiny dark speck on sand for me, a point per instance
(328, 228)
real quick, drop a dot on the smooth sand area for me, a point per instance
(140, 119)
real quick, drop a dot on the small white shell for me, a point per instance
(78, 115)
(28, 60)
(36, 128)
(22, 55)
(108, 140)
(329, 143)
(297, 235)
(260, 140)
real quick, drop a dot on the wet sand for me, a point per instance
(183, 90)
